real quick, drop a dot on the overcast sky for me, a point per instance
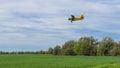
(40, 24)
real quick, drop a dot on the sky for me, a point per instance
(30, 25)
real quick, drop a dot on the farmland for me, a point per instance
(51, 61)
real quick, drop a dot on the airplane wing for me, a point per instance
(72, 16)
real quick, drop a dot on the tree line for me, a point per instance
(24, 52)
(87, 46)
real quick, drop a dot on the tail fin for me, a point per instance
(82, 17)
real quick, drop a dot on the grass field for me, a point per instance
(50, 61)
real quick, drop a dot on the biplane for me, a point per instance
(73, 18)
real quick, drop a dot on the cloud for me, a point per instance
(32, 23)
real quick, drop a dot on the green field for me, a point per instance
(50, 61)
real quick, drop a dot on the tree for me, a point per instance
(67, 48)
(116, 49)
(50, 50)
(42, 52)
(86, 46)
(105, 46)
(57, 50)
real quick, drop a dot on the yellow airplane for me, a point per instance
(73, 18)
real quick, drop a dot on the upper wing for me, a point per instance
(72, 16)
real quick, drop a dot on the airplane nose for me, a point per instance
(69, 18)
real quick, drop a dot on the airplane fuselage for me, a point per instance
(75, 19)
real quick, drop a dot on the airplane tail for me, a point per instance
(82, 17)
